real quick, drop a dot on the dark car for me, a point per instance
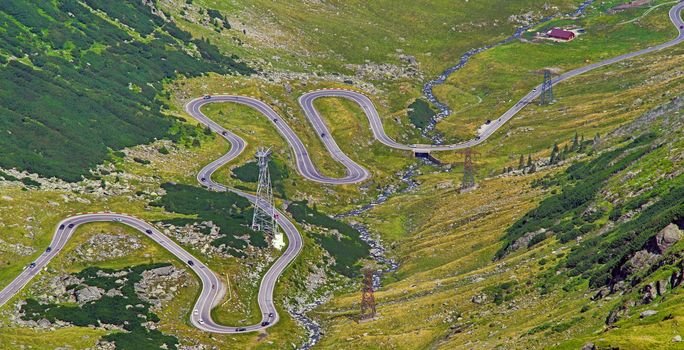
(204, 179)
(49, 249)
(191, 263)
(265, 323)
(322, 134)
(32, 265)
(240, 329)
(207, 97)
(477, 137)
(488, 122)
(71, 226)
(61, 227)
(224, 133)
(270, 314)
(149, 232)
(275, 120)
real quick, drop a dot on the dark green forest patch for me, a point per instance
(249, 172)
(420, 114)
(347, 248)
(128, 310)
(85, 85)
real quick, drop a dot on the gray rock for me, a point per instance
(88, 293)
(647, 313)
(479, 299)
(677, 338)
(589, 346)
(667, 237)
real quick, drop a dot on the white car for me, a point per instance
(201, 321)
(196, 312)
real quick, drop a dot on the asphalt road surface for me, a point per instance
(212, 288)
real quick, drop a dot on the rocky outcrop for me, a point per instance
(648, 257)
(88, 293)
(161, 284)
(106, 246)
(664, 239)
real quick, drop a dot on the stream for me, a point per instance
(378, 251)
(444, 110)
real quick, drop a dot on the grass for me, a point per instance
(508, 72)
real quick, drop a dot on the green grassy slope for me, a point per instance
(79, 79)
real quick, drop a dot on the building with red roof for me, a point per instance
(557, 33)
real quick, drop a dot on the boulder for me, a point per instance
(647, 313)
(648, 293)
(589, 346)
(677, 338)
(88, 293)
(666, 238)
(479, 299)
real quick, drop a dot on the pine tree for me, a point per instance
(521, 162)
(575, 143)
(554, 154)
(529, 160)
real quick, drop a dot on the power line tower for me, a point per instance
(546, 96)
(468, 168)
(367, 296)
(263, 219)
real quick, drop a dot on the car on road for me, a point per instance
(201, 321)
(488, 122)
(240, 329)
(32, 265)
(275, 120)
(191, 263)
(322, 134)
(213, 286)
(224, 133)
(117, 220)
(71, 226)
(49, 249)
(203, 179)
(270, 315)
(265, 323)
(206, 97)
(681, 27)
(477, 137)
(196, 312)
(61, 227)
(149, 232)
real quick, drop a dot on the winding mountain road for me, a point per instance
(212, 288)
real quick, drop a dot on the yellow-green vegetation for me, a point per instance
(503, 75)
(448, 292)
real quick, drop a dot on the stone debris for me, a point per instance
(161, 284)
(106, 246)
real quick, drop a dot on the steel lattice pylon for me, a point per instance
(468, 168)
(264, 218)
(546, 96)
(367, 296)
